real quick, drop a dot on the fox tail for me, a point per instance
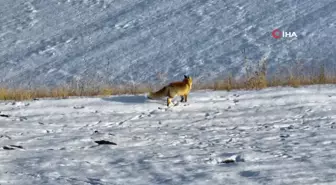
(160, 93)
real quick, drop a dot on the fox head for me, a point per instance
(188, 80)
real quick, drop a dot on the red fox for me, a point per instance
(175, 88)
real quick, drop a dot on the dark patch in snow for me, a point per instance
(22, 118)
(16, 146)
(7, 148)
(249, 173)
(79, 107)
(4, 115)
(2, 136)
(284, 135)
(104, 142)
(12, 147)
(228, 161)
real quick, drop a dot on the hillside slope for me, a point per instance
(56, 41)
(273, 136)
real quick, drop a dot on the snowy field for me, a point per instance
(52, 42)
(273, 136)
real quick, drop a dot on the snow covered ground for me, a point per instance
(273, 136)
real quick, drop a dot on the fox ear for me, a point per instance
(185, 76)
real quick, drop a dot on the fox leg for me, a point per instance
(185, 98)
(182, 98)
(168, 101)
(171, 95)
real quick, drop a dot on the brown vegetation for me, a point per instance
(254, 79)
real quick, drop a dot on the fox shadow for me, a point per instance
(127, 99)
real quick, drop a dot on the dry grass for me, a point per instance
(65, 92)
(254, 79)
